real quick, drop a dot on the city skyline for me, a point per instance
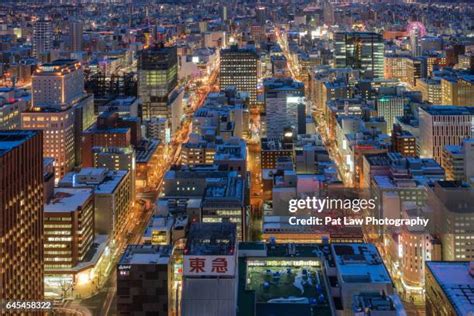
(240, 158)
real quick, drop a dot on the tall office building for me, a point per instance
(58, 135)
(42, 37)
(75, 34)
(415, 70)
(328, 13)
(12, 103)
(457, 161)
(209, 270)
(239, 69)
(415, 46)
(112, 196)
(21, 216)
(360, 50)
(261, 15)
(403, 141)
(453, 163)
(452, 202)
(116, 158)
(144, 281)
(157, 78)
(458, 91)
(58, 84)
(430, 90)
(224, 13)
(68, 228)
(62, 109)
(444, 125)
(284, 107)
(449, 288)
(389, 107)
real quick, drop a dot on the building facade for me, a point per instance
(360, 50)
(68, 228)
(21, 216)
(441, 126)
(157, 78)
(238, 68)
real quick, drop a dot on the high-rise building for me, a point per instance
(12, 103)
(238, 68)
(116, 158)
(395, 67)
(415, 46)
(68, 228)
(449, 288)
(58, 84)
(209, 270)
(112, 196)
(144, 281)
(360, 50)
(389, 107)
(468, 151)
(443, 125)
(457, 91)
(453, 162)
(417, 246)
(197, 151)
(358, 268)
(452, 202)
(21, 216)
(224, 13)
(58, 135)
(403, 142)
(407, 69)
(415, 69)
(457, 161)
(284, 107)
(328, 13)
(261, 15)
(75, 34)
(98, 137)
(62, 109)
(430, 90)
(42, 37)
(157, 78)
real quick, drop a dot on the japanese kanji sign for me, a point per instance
(209, 265)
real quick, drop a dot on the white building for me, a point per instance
(209, 270)
(42, 37)
(444, 125)
(58, 85)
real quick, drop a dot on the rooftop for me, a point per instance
(122, 101)
(158, 223)
(377, 302)
(276, 286)
(68, 199)
(448, 110)
(104, 181)
(146, 254)
(456, 283)
(211, 239)
(378, 159)
(275, 84)
(59, 66)
(14, 138)
(145, 150)
(359, 263)
(453, 149)
(116, 130)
